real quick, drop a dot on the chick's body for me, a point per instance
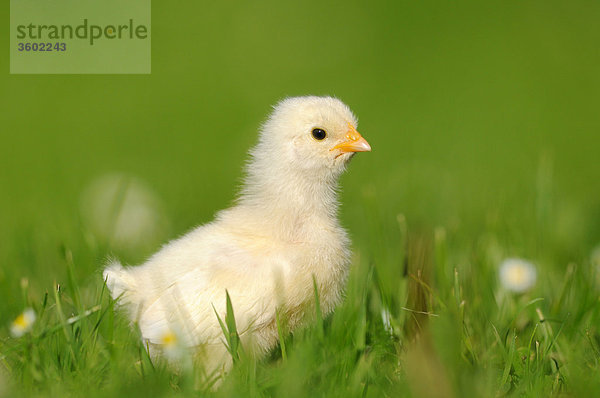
(265, 251)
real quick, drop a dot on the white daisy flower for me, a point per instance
(517, 275)
(23, 323)
(168, 339)
(171, 344)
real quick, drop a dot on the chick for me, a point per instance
(265, 250)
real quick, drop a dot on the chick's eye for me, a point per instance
(319, 134)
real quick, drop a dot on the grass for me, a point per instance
(483, 118)
(452, 330)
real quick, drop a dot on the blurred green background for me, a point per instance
(464, 103)
(483, 118)
(461, 101)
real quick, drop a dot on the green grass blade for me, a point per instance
(233, 337)
(318, 313)
(280, 332)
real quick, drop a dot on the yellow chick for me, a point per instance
(264, 251)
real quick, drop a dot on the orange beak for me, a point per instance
(354, 143)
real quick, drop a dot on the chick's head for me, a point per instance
(316, 135)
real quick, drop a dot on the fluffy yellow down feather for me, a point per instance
(264, 251)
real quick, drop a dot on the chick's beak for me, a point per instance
(354, 142)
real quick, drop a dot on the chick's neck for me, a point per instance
(290, 203)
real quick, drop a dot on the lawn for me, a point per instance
(485, 126)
